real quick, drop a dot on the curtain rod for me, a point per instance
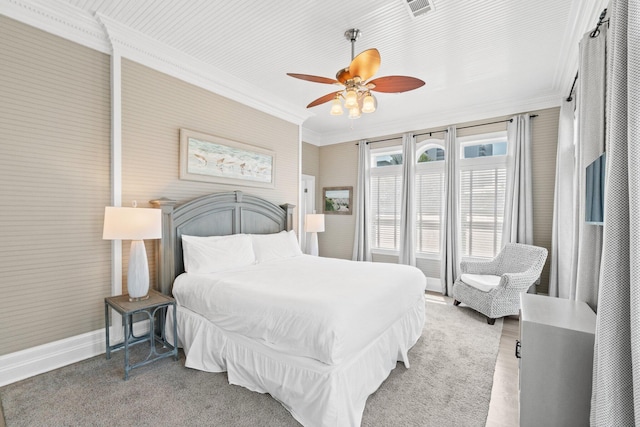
(445, 130)
(575, 79)
(594, 33)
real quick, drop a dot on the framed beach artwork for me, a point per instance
(337, 200)
(211, 158)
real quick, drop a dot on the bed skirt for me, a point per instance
(316, 394)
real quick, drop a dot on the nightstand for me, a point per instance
(155, 308)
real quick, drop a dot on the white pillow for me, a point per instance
(216, 253)
(268, 247)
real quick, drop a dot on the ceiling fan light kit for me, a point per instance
(356, 86)
(336, 107)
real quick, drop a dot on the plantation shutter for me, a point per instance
(481, 211)
(386, 191)
(429, 193)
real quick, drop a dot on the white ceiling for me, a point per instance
(478, 59)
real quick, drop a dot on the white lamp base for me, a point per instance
(313, 244)
(138, 274)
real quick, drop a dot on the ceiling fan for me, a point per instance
(355, 84)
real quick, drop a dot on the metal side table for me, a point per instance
(155, 308)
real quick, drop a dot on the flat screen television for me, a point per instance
(594, 201)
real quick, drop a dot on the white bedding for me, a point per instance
(316, 394)
(322, 308)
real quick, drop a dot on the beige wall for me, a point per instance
(545, 140)
(55, 172)
(156, 106)
(310, 159)
(338, 168)
(338, 164)
(54, 175)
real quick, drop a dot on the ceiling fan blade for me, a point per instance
(315, 79)
(366, 64)
(394, 84)
(328, 97)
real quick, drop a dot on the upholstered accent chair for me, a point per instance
(493, 287)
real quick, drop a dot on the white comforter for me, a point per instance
(323, 308)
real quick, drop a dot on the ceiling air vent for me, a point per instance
(419, 7)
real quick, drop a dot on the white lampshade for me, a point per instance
(131, 223)
(134, 224)
(314, 223)
(336, 107)
(369, 104)
(354, 113)
(351, 99)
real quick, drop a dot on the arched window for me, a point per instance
(429, 189)
(386, 193)
(430, 153)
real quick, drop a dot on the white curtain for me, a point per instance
(450, 263)
(587, 238)
(361, 243)
(518, 218)
(407, 207)
(563, 216)
(616, 378)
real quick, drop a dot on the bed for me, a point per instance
(319, 335)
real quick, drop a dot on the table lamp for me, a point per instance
(134, 224)
(314, 224)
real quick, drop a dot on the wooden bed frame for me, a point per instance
(218, 214)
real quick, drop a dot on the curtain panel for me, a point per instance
(587, 238)
(362, 243)
(563, 209)
(518, 216)
(616, 377)
(449, 248)
(407, 208)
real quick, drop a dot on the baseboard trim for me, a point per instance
(434, 284)
(37, 360)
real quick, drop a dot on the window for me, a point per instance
(482, 173)
(429, 189)
(485, 149)
(482, 186)
(386, 194)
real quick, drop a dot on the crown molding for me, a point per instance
(147, 51)
(106, 35)
(60, 19)
(311, 136)
(435, 120)
(583, 17)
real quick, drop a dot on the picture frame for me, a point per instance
(337, 200)
(210, 158)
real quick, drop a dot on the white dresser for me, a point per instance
(556, 361)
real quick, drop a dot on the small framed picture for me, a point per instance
(337, 200)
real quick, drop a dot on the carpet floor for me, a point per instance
(449, 384)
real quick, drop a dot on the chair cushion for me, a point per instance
(482, 282)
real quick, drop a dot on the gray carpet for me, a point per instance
(449, 384)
